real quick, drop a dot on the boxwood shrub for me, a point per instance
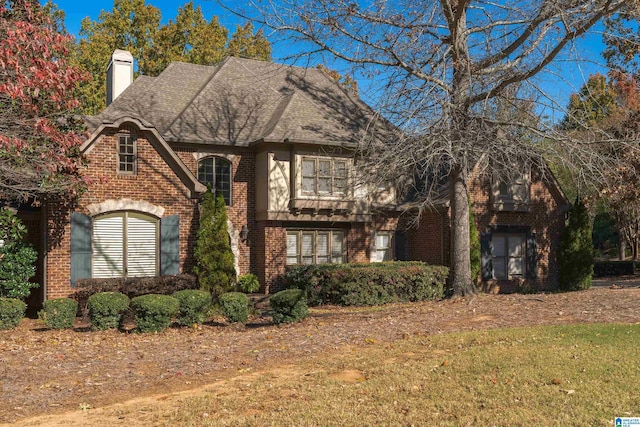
(106, 309)
(248, 283)
(59, 313)
(289, 305)
(153, 312)
(194, 306)
(11, 312)
(368, 283)
(235, 306)
(134, 286)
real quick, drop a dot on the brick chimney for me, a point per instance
(119, 74)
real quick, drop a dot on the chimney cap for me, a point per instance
(122, 55)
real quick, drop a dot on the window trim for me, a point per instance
(330, 232)
(333, 161)
(134, 142)
(215, 159)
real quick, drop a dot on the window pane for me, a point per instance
(499, 268)
(499, 245)
(337, 247)
(205, 172)
(307, 244)
(308, 185)
(292, 244)
(340, 185)
(223, 179)
(141, 245)
(308, 168)
(504, 190)
(324, 168)
(516, 266)
(340, 170)
(324, 185)
(108, 246)
(515, 245)
(322, 244)
(382, 241)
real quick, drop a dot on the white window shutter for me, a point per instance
(108, 246)
(142, 244)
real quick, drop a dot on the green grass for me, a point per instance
(578, 375)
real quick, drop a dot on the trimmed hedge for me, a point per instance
(288, 306)
(59, 313)
(106, 309)
(368, 283)
(11, 312)
(614, 268)
(194, 306)
(134, 286)
(235, 306)
(153, 312)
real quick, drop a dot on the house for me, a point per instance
(277, 142)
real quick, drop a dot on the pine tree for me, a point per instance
(214, 258)
(575, 254)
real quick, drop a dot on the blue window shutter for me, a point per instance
(532, 256)
(170, 245)
(81, 231)
(486, 250)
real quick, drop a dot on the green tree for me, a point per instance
(214, 258)
(17, 258)
(596, 101)
(247, 43)
(575, 253)
(135, 25)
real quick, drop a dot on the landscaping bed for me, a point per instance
(48, 371)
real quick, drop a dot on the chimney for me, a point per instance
(119, 74)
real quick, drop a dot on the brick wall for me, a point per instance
(155, 182)
(426, 238)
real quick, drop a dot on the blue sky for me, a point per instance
(562, 79)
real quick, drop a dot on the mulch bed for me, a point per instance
(44, 371)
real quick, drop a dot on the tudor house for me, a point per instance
(277, 142)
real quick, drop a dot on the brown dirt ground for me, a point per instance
(48, 372)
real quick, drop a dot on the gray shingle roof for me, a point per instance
(242, 101)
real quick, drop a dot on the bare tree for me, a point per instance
(451, 68)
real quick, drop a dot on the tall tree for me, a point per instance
(445, 65)
(135, 25)
(39, 134)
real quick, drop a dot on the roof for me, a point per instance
(243, 101)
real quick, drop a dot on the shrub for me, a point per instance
(214, 259)
(11, 312)
(235, 306)
(249, 283)
(134, 286)
(368, 284)
(59, 313)
(614, 268)
(17, 258)
(194, 305)
(106, 309)
(289, 305)
(575, 252)
(153, 312)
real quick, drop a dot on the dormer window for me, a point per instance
(126, 154)
(324, 176)
(511, 194)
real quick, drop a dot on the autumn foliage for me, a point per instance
(39, 135)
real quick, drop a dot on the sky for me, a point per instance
(560, 80)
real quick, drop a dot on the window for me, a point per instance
(126, 154)
(324, 176)
(216, 173)
(125, 244)
(511, 192)
(383, 251)
(315, 247)
(509, 255)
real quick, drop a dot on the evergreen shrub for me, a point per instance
(106, 310)
(194, 306)
(249, 283)
(17, 258)
(59, 313)
(153, 312)
(288, 306)
(575, 252)
(235, 306)
(11, 312)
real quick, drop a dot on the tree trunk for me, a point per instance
(460, 274)
(622, 247)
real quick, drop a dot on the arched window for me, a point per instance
(125, 244)
(216, 172)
